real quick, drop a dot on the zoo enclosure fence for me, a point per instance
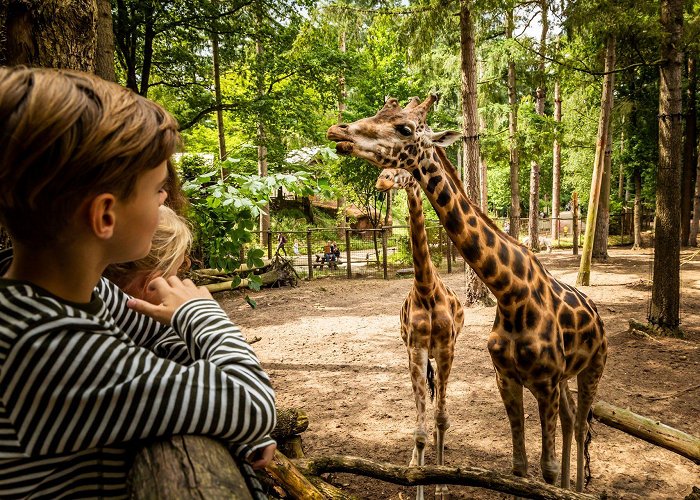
(385, 252)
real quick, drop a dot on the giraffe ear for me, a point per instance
(445, 138)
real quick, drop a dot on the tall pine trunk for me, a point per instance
(556, 167)
(61, 37)
(217, 92)
(665, 294)
(104, 52)
(513, 138)
(476, 290)
(689, 152)
(693, 239)
(584, 273)
(261, 137)
(600, 242)
(637, 178)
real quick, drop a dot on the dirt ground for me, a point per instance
(333, 348)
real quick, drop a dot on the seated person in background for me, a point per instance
(335, 250)
(86, 371)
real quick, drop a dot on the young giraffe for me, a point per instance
(545, 332)
(431, 318)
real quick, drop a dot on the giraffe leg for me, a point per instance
(548, 405)
(418, 363)
(587, 382)
(443, 360)
(512, 396)
(566, 415)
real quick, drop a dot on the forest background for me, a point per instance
(559, 86)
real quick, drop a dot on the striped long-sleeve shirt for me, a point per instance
(80, 383)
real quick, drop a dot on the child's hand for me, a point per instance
(170, 294)
(261, 458)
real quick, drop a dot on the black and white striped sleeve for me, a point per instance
(144, 331)
(70, 386)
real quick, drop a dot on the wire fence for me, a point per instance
(385, 252)
(362, 253)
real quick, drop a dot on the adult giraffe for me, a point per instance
(545, 332)
(431, 318)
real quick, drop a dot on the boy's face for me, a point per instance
(137, 217)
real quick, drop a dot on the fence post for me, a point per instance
(440, 239)
(348, 253)
(384, 250)
(574, 220)
(308, 254)
(269, 244)
(449, 255)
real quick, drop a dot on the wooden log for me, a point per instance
(329, 491)
(291, 446)
(293, 481)
(290, 421)
(649, 430)
(438, 474)
(186, 468)
(267, 279)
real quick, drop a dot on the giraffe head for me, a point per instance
(395, 137)
(394, 178)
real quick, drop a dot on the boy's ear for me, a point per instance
(101, 215)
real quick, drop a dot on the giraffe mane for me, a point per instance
(452, 172)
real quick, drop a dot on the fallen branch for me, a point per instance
(293, 481)
(329, 491)
(649, 430)
(290, 421)
(438, 474)
(673, 395)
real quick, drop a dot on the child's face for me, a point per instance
(137, 217)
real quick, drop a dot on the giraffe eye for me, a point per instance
(404, 130)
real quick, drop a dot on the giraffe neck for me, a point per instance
(500, 262)
(423, 270)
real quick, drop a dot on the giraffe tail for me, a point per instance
(586, 454)
(431, 381)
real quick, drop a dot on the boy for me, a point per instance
(83, 368)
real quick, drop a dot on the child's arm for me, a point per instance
(144, 331)
(72, 388)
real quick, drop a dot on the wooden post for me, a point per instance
(384, 251)
(269, 244)
(574, 220)
(187, 468)
(309, 254)
(348, 253)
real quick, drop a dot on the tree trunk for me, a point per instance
(52, 35)
(104, 53)
(621, 173)
(149, 35)
(261, 135)
(574, 221)
(693, 239)
(665, 300)
(476, 290)
(513, 138)
(584, 273)
(556, 166)
(185, 467)
(600, 241)
(342, 91)
(483, 173)
(534, 215)
(217, 94)
(689, 152)
(637, 177)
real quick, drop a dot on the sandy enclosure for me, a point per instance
(333, 348)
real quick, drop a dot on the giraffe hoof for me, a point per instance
(441, 492)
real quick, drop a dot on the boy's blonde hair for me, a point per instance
(66, 136)
(171, 243)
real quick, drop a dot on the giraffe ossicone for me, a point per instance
(545, 332)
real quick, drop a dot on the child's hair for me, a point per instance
(66, 136)
(171, 243)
